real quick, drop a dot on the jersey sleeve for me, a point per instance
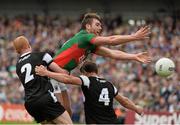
(115, 90)
(47, 59)
(90, 37)
(87, 40)
(85, 81)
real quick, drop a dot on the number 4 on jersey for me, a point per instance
(104, 96)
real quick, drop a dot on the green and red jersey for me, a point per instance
(75, 50)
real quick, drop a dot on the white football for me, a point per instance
(164, 67)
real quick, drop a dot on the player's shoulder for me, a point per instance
(98, 78)
(50, 52)
(103, 80)
(41, 53)
(38, 56)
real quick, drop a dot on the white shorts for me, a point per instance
(58, 86)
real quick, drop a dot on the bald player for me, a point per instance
(40, 102)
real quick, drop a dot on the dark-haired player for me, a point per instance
(99, 93)
(88, 41)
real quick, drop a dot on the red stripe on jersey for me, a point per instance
(67, 55)
(92, 40)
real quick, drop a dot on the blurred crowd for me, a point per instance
(138, 82)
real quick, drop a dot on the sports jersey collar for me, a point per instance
(94, 76)
(83, 31)
(25, 54)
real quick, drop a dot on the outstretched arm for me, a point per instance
(120, 55)
(48, 60)
(125, 102)
(67, 79)
(54, 67)
(141, 34)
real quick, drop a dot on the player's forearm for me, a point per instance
(142, 33)
(58, 76)
(120, 55)
(129, 104)
(54, 67)
(113, 40)
(67, 79)
(125, 102)
(120, 39)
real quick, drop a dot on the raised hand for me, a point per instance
(143, 57)
(142, 33)
(41, 70)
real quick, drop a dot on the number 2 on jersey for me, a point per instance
(27, 68)
(104, 96)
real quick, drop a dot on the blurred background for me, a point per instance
(49, 23)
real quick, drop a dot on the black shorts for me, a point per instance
(44, 108)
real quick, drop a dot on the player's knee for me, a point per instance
(69, 111)
(47, 122)
(67, 117)
(63, 119)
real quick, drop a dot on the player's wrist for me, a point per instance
(139, 110)
(134, 57)
(46, 73)
(133, 37)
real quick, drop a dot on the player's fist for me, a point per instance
(40, 70)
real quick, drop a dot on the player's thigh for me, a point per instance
(59, 97)
(65, 97)
(66, 101)
(63, 119)
(52, 109)
(60, 90)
